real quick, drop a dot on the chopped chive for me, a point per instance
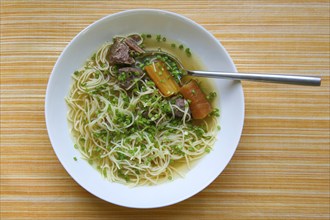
(164, 39)
(75, 158)
(181, 47)
(215, 112)
(187, 50)
(105, 173)
(148, 35)
(173, 45)
(211, 96)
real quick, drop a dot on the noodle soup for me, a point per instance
(141, 121)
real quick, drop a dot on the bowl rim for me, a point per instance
(118, 14)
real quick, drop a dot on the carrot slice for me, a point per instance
(199, 106)
(200, 110)
(164, 81)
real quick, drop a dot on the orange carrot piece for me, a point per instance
(200, 107)
(200, 110)
(164, 81)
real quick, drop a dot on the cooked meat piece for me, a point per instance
(127, 83)
(133, 45)
(180, 103)
(136, 37)
(129, 74)
(119, 53)
(145, 114)
(137, 71)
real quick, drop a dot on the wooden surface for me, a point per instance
(281, 167)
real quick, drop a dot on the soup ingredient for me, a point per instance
(164, 81)
(200, 107)
(128, 76)
(180, 107)
(136, 37)
(133, 45)
(119, 53)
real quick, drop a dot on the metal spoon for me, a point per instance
(271, 78)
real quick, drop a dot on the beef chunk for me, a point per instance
(133, 45)
(119, 53)
(180, 103)
(135, 71)
(145, 114)
(136, 37)
(127, 76)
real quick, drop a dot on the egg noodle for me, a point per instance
(132, 136)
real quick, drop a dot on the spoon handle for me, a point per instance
(272, 78)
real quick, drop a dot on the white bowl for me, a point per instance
(213, 56)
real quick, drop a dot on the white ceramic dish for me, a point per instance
(213, 56)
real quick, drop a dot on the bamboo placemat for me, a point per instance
(281, 167)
